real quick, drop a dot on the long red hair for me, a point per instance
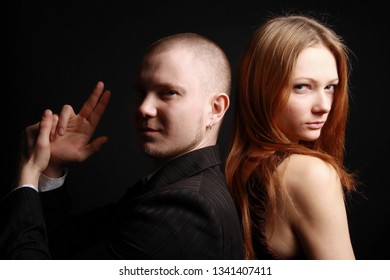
(265, 80)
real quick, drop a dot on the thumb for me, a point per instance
(45, 125)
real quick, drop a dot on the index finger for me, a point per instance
(90, 104)
(99, 109)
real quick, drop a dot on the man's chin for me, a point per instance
(151, 152)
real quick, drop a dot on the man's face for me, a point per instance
(172, 106)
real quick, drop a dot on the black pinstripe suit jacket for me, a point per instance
(184, 211)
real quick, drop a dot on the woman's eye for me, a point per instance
(301, 88)
(330, 88)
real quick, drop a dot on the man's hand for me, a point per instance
(71, 138)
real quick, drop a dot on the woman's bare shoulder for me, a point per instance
(304, 173)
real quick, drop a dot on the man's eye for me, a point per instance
(169, 92)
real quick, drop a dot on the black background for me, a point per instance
(58, 50)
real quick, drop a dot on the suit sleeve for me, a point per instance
(71, 236)
(22, 226)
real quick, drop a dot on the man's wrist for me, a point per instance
(54, 171)
(28, 176)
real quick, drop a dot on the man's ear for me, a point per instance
(220, 104)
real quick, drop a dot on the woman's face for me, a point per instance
(314, 80)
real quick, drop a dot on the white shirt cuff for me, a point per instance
(27, 186)
(47, 183)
